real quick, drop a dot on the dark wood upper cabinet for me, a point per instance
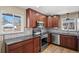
(68, 41)
(44, 19)
(53, 21)
(49, 22)
(33, 16)
(30, 18)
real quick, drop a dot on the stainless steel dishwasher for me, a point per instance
(56, 39)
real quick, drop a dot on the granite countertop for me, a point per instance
(18, 39)
(59, 31)
(53, 31)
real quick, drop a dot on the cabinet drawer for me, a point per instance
(17, 50)
(27, 41)
(36, 44)
(14, 46)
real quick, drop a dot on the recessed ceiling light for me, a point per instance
(37, 6)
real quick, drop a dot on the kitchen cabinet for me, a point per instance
(33, 16)
(63, 41)
(53, 21)
(30, 18)
(68, 41)
(78, 43)
(14, 48)
(21, 47)
(49, 38)
(17, 50)
(49, 22)
(27, 46)
(44, 19)
(36, 44)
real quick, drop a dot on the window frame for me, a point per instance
(21, 30)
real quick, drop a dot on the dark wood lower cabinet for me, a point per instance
(78, 44)
(33, 45)
(36, 44)
(14, 48)
(68, 41)
(49, 38)
(17, 50)
(28, 46)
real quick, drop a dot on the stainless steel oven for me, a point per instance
(43, 35)
(44, 41)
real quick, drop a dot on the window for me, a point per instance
(11, 23)
(77, 24)
(69, 24)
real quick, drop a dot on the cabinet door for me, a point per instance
(72, 42)
(63, 40)
(49, 38)
(28, 46)
(68, 41)
(45, 21)
(36, 44)
(30, 18)
(34, 17)
(50, 22)
(78, 44)
(14, 48)
(55, 21)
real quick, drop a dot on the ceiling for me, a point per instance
(53, 10)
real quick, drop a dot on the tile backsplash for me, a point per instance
(27, 31)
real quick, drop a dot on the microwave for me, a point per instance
(40, 24)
